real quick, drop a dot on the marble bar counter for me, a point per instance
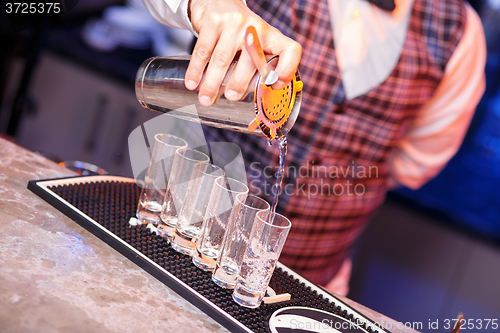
(55, 276)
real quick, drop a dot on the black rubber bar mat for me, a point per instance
(104, 204)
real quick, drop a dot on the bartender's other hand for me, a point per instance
(221, 27)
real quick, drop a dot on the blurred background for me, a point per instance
(67, 93)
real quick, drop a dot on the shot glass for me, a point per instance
(156, 177)
(235, 241)
(222, 201)
(264, 248)
(193, 211)
(182, 169)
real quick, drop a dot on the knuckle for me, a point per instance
(215, 18)
(220, 60)
(260, 25)
(202, 54)
(297, 48)
(236, 17)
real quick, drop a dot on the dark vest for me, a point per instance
(338, 149)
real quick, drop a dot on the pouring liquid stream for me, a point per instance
(282, 146)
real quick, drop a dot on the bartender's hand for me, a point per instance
(221, 27)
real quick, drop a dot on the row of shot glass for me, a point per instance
(213, 218)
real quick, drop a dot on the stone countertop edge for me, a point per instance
(55, 276)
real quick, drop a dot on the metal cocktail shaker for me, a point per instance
(159, 86)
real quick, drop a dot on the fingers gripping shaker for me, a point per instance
(159, 86)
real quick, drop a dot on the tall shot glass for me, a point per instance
(182, 169)
(156, 177)
(235, 241)
(266, 242)
(193, 211)
(222, 200)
